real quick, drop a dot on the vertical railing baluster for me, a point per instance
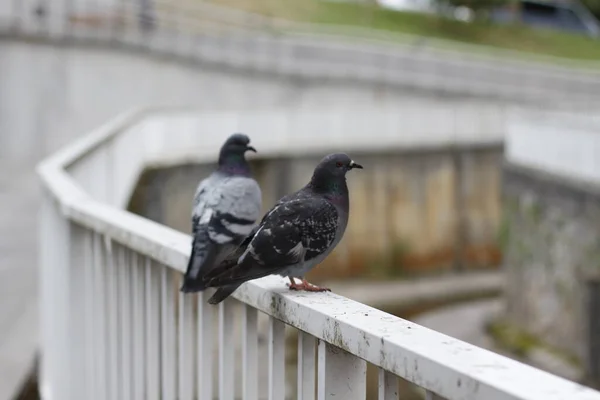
(54, 303)
(124, 272)
(100, 317)
(139, 328)
(429, 395)
(205, 357)
(306, 366)
(249, 353)
(48, 307)
(226, 350)
(92, 391)
(341, 374)
(113, 318)
(152, 305)
(77, 343)
(168, 343)
(276, 359)
(186, 347)
(388, 385)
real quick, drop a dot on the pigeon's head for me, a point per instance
(238, 143)
(234, 148)
(332, 170)
(336, 164)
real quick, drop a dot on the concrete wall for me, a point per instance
(201, 32)
(551, 231)
(50, 94)
(411, 211)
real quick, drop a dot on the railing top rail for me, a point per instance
(449, 367)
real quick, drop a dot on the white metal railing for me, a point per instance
(114, 325)
(210, 34)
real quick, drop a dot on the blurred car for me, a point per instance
(570, 16)
(565, 15)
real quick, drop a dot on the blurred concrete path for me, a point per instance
(408, 293)
(467, 322)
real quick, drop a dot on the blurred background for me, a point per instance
(481, 222)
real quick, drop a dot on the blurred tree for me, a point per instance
(593, 5)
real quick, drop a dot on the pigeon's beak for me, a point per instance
(250, 148)
(355, 165)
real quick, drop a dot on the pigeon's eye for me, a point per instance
(339, 164)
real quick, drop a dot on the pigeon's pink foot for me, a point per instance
(307, 287)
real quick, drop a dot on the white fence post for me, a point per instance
(125, 270)
(276, 359)
(186, 347)
(153, 330)
(54, 300)
(204, 364)
(226, 350)
(341, 374)
(388, 385)
(78, 269)
(429, 395)
(249, 353)
(168, 336)
(306, 366)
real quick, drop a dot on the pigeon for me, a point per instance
(298, 233)
(226, 206)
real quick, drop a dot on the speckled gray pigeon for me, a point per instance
(294, 236)
(227, 205)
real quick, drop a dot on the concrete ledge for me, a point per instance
(417, 295)
(548, 184)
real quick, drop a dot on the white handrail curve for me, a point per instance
(448, 367)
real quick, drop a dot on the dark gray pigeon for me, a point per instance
(294, 236)
(226, 207)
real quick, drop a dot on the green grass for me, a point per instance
(514, 37)
(522, 343)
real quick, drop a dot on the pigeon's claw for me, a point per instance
(307, 287)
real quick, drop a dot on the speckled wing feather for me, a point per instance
(233, 257)
(293, 232)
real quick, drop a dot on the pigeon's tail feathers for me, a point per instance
(204, 253)
(247, 270)
(230, 260)
(222, 293)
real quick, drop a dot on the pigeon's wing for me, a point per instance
(294, 232)
(203, 249)
(225, 211)
(232, 258)
(234, 207)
